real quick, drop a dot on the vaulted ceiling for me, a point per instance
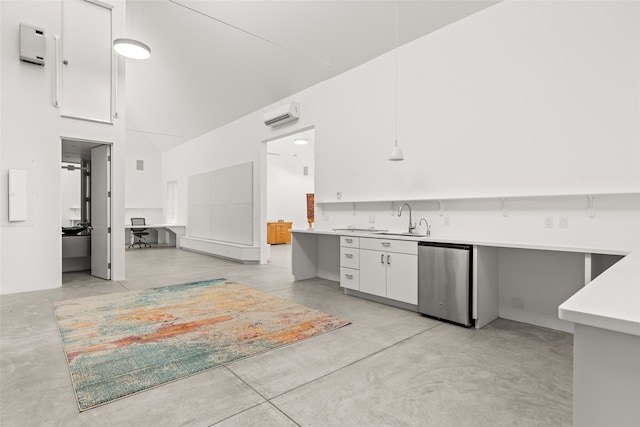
(215, 61)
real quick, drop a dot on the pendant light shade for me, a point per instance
(396, 153)
(130, 48)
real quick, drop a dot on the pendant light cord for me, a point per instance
(396, 73)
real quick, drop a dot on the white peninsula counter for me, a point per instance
(606, 347)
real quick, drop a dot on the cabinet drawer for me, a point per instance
(388, 245)
(350, 257)
(349, 241)
(350, 278)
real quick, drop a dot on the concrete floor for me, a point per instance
(390, 367)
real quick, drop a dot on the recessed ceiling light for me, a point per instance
(300, 141)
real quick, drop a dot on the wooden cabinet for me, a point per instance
(278, 232)
(389, 268)
(350, 262)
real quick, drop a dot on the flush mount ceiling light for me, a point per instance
(300, 141)
(130, 48)
(396, 153)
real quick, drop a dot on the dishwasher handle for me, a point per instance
(447, 245)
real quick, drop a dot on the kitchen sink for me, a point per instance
(359, 230)
(387, 233)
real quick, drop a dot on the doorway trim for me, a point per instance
(77, 152)
(265, 251)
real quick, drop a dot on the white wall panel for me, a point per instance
(221, 204)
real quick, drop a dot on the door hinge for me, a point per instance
(109, 266)
(108, 193)
(87, 199)
(108, 230)
(108, 158)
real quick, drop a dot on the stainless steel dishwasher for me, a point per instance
(444, 282)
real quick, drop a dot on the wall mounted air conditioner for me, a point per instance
(282, 115)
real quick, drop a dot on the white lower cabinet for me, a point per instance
(350, 262)
(373, 272)
(402, 278)
(390, 273)
(350, 278)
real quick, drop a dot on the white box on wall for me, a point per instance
(17, 195)
(32, 44)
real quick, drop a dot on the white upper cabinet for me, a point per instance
(86, 60)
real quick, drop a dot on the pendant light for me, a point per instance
(396, 153)
(131, 48)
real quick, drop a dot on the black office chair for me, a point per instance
(138, 232)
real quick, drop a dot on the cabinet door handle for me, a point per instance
(386, 244)
(381, 258)
(349, 255)
(348, 240)
(389, 259)
(349, 276)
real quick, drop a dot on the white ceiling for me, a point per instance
(215, 61)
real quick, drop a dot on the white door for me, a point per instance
(87, 55)
(373, 272)
(402, 277)
(101, 212)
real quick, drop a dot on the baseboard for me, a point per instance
(232, 251)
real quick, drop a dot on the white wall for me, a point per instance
(143, 189)
(143, 192)
(31, 131)
(230, 145)
(492, 105)
(522, 98)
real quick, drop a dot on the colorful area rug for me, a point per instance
(124, 343)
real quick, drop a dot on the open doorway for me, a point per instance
(290, 177)
(85, 209)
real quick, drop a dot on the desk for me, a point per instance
(169, 234)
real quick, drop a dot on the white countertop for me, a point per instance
(154, 226)
(611, 301)
(492, 243)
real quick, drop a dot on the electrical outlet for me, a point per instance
(372, 219)
(517, 302)
(446, 220)
(564, 222)
(339, 195)
(548, 222)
